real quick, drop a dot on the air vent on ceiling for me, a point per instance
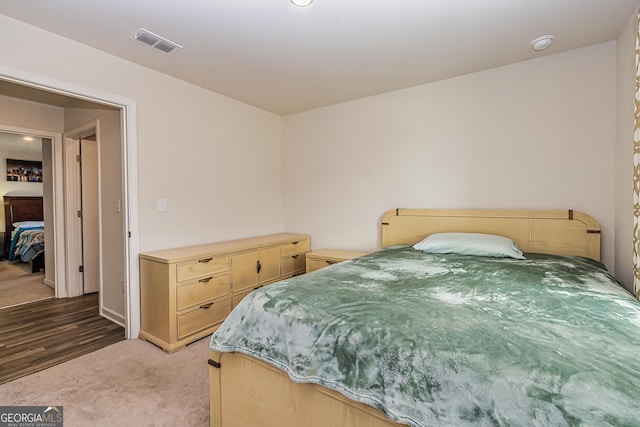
(155, 41)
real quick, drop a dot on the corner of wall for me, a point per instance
(623, 191)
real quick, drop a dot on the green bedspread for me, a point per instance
(454, 339)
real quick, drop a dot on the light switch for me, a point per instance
(116, 206)
(162, 205)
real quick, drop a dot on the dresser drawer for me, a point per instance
(201, 267)
(292, 263)
(317, 264)
(202, 317)
(321, 258)
(297, 246)
(201, 290)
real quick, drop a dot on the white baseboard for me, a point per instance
(50, 283)
(116, 318)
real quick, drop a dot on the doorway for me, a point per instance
(53, 210)
(127, 283)
(22, 276)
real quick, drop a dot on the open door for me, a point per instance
(89, 218)
(82, 209)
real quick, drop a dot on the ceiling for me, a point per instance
(285, 59)
(15, 90)
(12, 143)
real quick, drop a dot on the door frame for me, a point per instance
(58, 245)
(128, 116)
(72, 177)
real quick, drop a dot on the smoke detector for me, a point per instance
(543, 42)
(150, 39)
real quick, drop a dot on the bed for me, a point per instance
(467, 340)
(24, 230)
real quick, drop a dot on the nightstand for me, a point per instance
(324, 257)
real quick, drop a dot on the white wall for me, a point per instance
(217, 161)
(536, 134)
(625, 45)
(17, 113)
(30, 115)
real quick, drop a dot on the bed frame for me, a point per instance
(22, 208)
(247, 392)
(548, 232)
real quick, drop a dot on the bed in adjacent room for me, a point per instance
(24, 229)
(454, 331)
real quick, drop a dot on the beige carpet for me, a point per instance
(131, 383)
(18, 285)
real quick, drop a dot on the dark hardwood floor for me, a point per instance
(38, 335)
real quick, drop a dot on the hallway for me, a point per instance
(38, 335)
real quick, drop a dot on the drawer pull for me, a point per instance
(296, 242)
(330, 262)
(295, 256)
(258, 267)
(206, 306)
(206, 279)
(258, 287)
(205, 260)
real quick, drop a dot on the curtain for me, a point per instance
(636, 168)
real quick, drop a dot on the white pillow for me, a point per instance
(28, 224)
(470, 244)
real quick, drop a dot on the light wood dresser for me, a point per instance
(324, 257)
(185, 293)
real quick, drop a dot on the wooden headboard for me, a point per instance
(20, 208)
(551, 232)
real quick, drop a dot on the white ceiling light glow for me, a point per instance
(302, 3)
(542, 42)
